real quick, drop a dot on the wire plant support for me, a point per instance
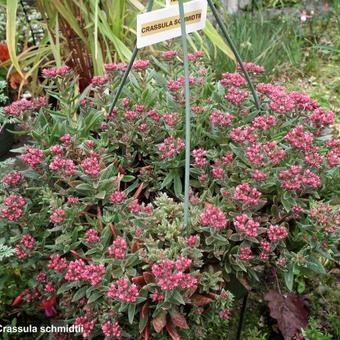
(187, 89)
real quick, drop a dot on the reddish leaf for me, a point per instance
(135, 245)
(288, 311)
(200, 300)
(178, 319)
(99, 218)
(146, 332)
(113, 230)
(172, 331)
(17, 300)
(139, 190)
(148, 277)
(139, 280)
(159, 321)
(145, 309)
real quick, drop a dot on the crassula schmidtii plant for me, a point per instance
(95, 211)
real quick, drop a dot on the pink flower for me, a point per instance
(233, 79)
(246, 254)
(54, 72)
(123, 291)
(91, 166)
(259, 176)
(252, 68)
(117, 197)
(199, 156)
(227, 158)
(299, 138)
(246, 225)
(33, 157)
(264, 122)
(66, 139)
(21, 106)
(154, 116)
(131, 115)
(49, 288)
(156, 296)
(277, 233)
(170, 147)
(99, 80)
(242, 135)
(111, 329)
(66, 166)
(56, 149)
(169, 54)
(247, 194)
(281, 261)
(115, 67)
(224, 314)
(28, 242)
(85, 324)
(265, 245)
(282, 104)
(321, 118)
(236, 96)
(140, 65)
(174, 85)
(58, 216)
(221, 119)
(13, 208)
(170, 118)
(134, 207)
(91, 236)
(57, 263)
(213, 217)
(192, 240)
(72, 200)
(118, 248)
(12, 179)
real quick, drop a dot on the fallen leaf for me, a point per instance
(288, 311)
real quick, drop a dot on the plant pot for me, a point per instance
(6, 140)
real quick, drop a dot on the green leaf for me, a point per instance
(178, 185)
(289, 276)
(217, 40)
(131, 312)
(79, 294)
(314, 265)
(94, 297)
(11, 7)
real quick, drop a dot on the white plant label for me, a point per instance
(164, 24)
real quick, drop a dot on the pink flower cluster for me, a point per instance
(247, 194)
(232, 79)
(246, 254)
(130, 115)
(117, 197)
(115, 67)
(33, 157)
(192, 240)
(169, 54)
(170, 147)
(213, 217)
(195, 56)
(220, 118)
(54, 72)
(66, 166)
(321, 118)
(199, 156)
(58, 216)
(170, 118)
(236, 96)
(170, 275)
(264, 122)
(259, 176)
(299, 138)
(85, 324)
(99, 80)
(246, 225)
(19, 107)
(140, 65)
(57, 263)
(91, 236)
(277, 233)
(28, 242)
(296, 179)
(91, 166)
(252, 68)
(13, 208)
(243, 135)
(118, 248)
(123, 291)
(111, 329)
(12, 179)
(79, 271)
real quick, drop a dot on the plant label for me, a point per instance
(164, 24)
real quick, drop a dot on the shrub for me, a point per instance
(94, 209)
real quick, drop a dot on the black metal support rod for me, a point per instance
(237, 55)
(28, 22)
(129, 67)
(240, 323)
